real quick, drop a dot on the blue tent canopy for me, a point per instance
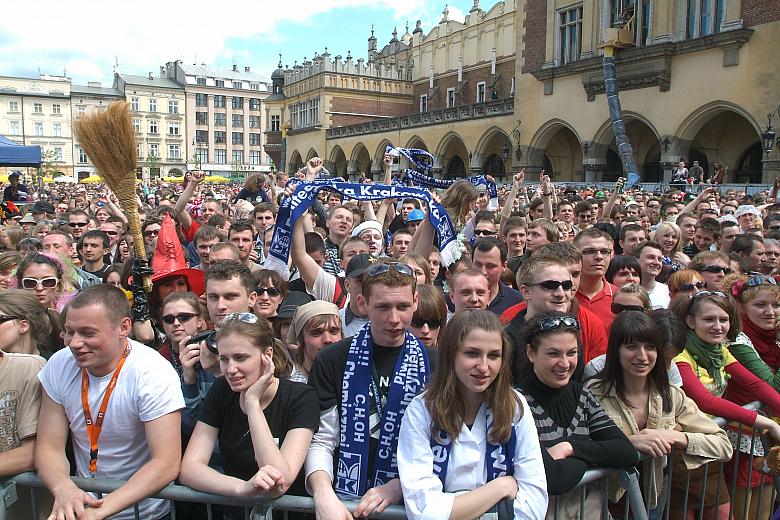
(13, 154)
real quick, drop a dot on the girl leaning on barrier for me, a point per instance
(635, 391)
(575, 432)
(719, 384)
(264, 422)
(468, 445)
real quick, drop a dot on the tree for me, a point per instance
(153, 162)
(48, 168)
(238, 168)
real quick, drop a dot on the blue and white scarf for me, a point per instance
(499, 457)
(359, 392)
(306, 192)
(423, 161)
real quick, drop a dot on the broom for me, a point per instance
(108, 139)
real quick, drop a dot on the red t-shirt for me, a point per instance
(601, 303)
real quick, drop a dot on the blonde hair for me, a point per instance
(663, 227)
(637, 290)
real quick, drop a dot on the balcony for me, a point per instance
(493, 108)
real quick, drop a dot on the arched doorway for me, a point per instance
(337, 164)
(644, 142)
(495, 166)
(494, 152)
(360, 161)
(312, 154)
(556, 149)
(456, 168)
(749, 168)
(296, 162)
(452, 156)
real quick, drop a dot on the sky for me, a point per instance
(84, 38)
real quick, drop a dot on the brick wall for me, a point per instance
(757, 12)
(534, 34)
(468, 96)
(365, 105)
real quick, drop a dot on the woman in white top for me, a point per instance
(469, 441)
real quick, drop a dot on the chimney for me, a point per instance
(246, 69)
(235, 68)
(93, 84)
(151, 76)
(163, 73)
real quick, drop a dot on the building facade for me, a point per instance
(86, 99)
(224, 117)
(38, 112)
(158, 109)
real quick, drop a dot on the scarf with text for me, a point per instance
(306, 192)
(499, 457)
(423, 162)
(360, 393)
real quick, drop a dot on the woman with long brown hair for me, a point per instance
(456, 429)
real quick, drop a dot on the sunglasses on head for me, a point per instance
(418, 323)
(691, 286)
(717, 269)
(6, 317)
(754, 281)
(399, 267)
(552, 285)
(47, 283)
(617, 308)
(183, 317)
(272, 291)
(246, 317)
(703, 294)
(557, 323)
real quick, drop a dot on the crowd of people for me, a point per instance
(573, 329)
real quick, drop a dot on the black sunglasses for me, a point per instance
(6, 317)
(617, 308)
(272, 291)
(691, 286)
(552, 285)
(183, 317)
(485, 232)
(77, 224)
(418, 323)
(716, 269)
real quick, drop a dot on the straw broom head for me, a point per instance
(108, 139)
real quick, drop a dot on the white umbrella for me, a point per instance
(65, 179)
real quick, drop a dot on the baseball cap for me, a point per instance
(290, 304)
(415, 215)
(42, 207)
(358, 265)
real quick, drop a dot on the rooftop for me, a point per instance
(237, 74)
(95, 91)
(132, 79)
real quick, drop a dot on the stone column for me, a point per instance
(668, 167)
(475, 166)
(770, 166)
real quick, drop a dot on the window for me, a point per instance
(238, 138)
(80, 111)
(56, 130)
(39, 129)
(153, 126)
(219, 137)
(238, 156)
(201, 82)
(238, 121)
(704, 17)
(201, 136)
(201, 118)
(202, 155)
(201, 100)
(570, 35)
(220, 119)
(14, 128)
(220, 156)
(276, 123)
(13, 106)
(254, 104)
(236, 84)
(134, 104)
(173, 107)
(174, 151)
(83, 155)
(639, 10)
(254, 121)
(152, 105)
(254, 86)
(37, 108)
(57, 153)
(254, 139)
(424, 103)
(219, 101)
(173, 128)
(238, 102)
(512, 89)
(219, 82)
(139, 150)
(481, 92)
(56, 109)
(137, 125)
(254, 156)
(450, 97)
(154, 150)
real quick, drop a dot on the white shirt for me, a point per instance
(147, 388)
(424, 496)
(659, 296)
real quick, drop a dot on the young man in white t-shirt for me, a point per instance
(140, 436)
(650, 257)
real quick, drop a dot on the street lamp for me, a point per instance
(768, 137)
(505, 152)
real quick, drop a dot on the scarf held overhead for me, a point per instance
(306, 192)
(360, 394)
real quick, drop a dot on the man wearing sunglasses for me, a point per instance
(78, 221)
(713, 266)
(546, 285)
(380, 357)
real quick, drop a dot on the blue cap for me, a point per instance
(415, 215)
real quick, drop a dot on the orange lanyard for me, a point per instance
(93, 429)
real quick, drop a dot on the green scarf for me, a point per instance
(709, 357)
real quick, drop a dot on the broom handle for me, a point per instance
(134, 222)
